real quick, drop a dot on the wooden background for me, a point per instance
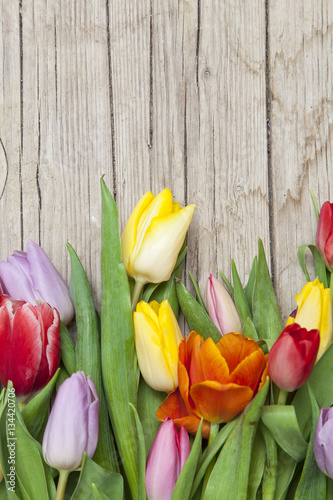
(228, 103)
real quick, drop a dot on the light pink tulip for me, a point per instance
(165, 461)
(221, 307)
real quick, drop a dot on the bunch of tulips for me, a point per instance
(237, 409)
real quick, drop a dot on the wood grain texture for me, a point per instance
(301, 48)
(159, 93)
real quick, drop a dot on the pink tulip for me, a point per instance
(324, 238)
(165, 461)
(32, 277)
(221, 307)
(292, 357)
(29, 345)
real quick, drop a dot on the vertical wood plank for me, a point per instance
(302, 130)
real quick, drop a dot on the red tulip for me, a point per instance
(324, 238)
(292, 357)
(29, 345)
(216, 381)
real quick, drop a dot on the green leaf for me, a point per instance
(323, 392)
(167, 291)
(109, 483)
(33, 479)
(183, 485)
(266, 314)
(36, 412)
(257, 465)
(318, 261)
(282, 422)
(314, 204)
(313, 482)
(67, 349)
(149, 401)
(211, 452)
(249, 288)
(228, 284)
(141, 455)
(119, 363)
(195, 315)
(270, 471)
(88, 356)
(285, 474)
(239, 296)
(97, 494)
(197, 291)
(249, 330)
(233, 464)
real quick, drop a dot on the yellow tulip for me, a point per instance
(153, 236)
(157, 337)
(314, 311)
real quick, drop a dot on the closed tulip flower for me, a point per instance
(216, 381)
(324, 237)
(165, 461)
(72, 427)
(221, 307)
(292, 357)
(32, 277)
(157, 337)
(153, 237)
(323, 442)
(314, 312)
(29, 345)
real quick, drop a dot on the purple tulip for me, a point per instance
(72, 428)
(323, 441)
(221, 307)
(166, 459)
(32, 277)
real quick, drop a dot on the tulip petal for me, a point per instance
(92, 419)
(165, 235)
(151, 356)
(24, 351)
(285, 364)
(234, 348)
(175, 408)
(220, 403)
(15, 283)
(323, 448)
(309, 316)
(184, 447)
(129, 235)
(214, 366)
(325, 327)
(249, 371)
(48, 282)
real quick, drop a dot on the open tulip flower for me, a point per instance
(314, 312)
(324, 237)
(157, 337)
(29, 345)
(153, 237)
(165, 461)
(292, 357)
(32, 277)
(216, 381)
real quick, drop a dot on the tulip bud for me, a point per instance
(221, 307)
(314, 312)
(324, 237)
(292, 357)
(72, 427)
(32, 277)
(157, 337)
(153, 237)
(165, 461)
(323, 442)
(29, 345)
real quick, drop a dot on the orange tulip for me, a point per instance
(216, 381)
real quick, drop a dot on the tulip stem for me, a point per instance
(282, 397)
(136, 293)
(62, 482)
(214, 430)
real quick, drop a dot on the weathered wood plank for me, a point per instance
(302, 130)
